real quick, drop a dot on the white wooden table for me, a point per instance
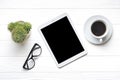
(101, 63)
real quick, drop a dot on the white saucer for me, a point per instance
(87, 29)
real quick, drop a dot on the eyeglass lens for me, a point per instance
(30, 64)
(37, 51)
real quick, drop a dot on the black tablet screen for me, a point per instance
(62, 39)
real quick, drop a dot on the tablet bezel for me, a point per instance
(73, 58)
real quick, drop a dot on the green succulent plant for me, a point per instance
(19, 30)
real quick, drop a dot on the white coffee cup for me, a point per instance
(98, 29)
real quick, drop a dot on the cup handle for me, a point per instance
(101, 40)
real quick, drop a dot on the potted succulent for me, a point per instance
(19, 30)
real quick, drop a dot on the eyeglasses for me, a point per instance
(34, 53)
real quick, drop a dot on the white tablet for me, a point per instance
(62, 41)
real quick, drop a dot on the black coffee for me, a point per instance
(98, 28)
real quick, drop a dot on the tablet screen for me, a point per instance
(62, 39)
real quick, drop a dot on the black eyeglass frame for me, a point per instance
(31, 56)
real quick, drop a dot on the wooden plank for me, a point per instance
(40, 16)
(60, 4)
(61, 76)
(47, 65)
